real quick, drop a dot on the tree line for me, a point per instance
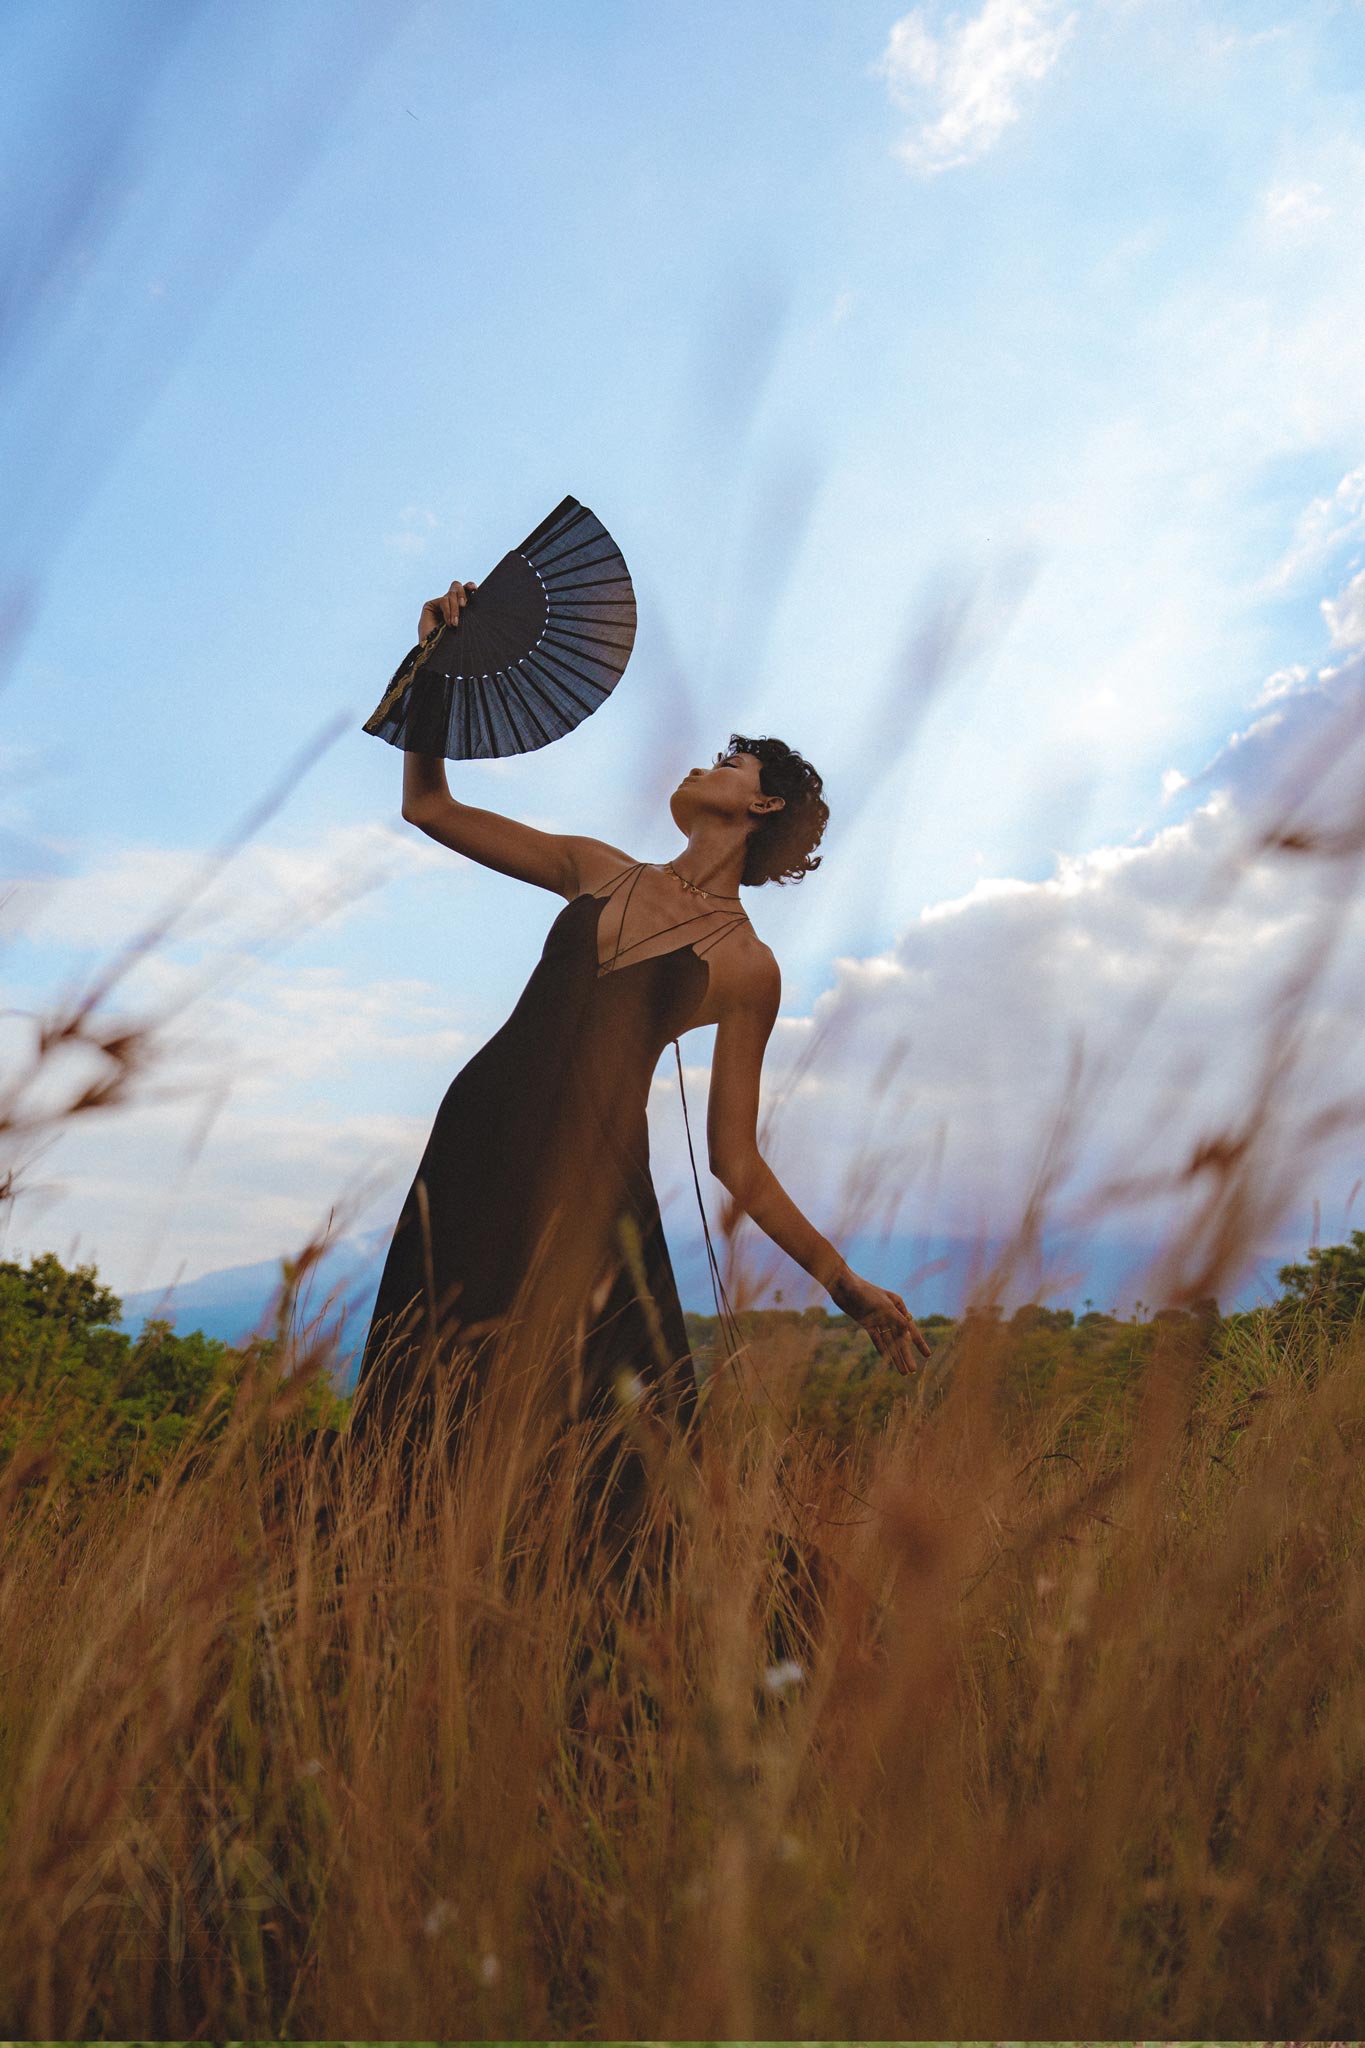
(124, 1404)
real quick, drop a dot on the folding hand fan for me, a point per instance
(541, 643)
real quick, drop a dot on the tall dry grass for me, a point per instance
(1041, 1734)
(1011, 1719)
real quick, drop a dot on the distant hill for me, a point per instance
(235, 1301)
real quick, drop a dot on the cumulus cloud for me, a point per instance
(1345, 614)
(154, 1197)
(251, 1121)
(1332, 521)
(1283, 683)
(252, 1056)
(1175, 970)
(964, 83)
(260, 890)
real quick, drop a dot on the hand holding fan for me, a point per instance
(542, 641)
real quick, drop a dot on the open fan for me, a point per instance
(541, 643)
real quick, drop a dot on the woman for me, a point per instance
(531, 1232)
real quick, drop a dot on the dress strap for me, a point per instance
(722, 932)
(638, 871)
(698, 946)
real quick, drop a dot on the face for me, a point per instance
(728, 787)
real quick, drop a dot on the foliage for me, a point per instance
(118, 1406)
(122, 1404)
(1333, 1281)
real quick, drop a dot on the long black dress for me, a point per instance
(531, 1234)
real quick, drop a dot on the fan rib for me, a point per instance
(556, 711)
(556, 681)
(527, 710)
(557, 676)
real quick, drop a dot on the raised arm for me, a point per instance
(742, 1034)
(550, 860)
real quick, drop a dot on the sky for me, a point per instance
(976, 395)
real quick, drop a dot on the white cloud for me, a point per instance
(1345, 614)
(261, 890)
(247, 1108)
(964, 83)
(1295, 210)
(297, 1026)
(248, 1123)
(1283, 683)
(1165, 962)
(151, 1197)
(1330, 523)
(416, 524)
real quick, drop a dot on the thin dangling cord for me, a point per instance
(726, 1314)
(725, 1311)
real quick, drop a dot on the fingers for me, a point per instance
(900, 1339)
(891, 1340)
(453, 603)
(917, 1336)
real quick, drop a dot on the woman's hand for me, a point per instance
(444, 611)
(885, 1317)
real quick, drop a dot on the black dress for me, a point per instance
(531, 1234)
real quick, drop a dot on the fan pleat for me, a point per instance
(574, 637)
(484, 722)
(525, 712)
(565, 516)
(566, 669)
(551, 703)
(558, 682)
(570, 541)
(563, 645)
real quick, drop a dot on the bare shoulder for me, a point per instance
(592, 863)
(752, 979)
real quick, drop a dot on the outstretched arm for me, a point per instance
(732, 1145)
(550, 860)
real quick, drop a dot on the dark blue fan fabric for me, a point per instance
(542, 642)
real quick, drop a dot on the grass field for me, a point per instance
(1036, 1703)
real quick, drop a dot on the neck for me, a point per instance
(712, 859)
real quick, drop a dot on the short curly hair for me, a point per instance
(782, 845)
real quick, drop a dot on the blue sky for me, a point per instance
(845, 319)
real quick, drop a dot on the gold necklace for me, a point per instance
(696, 889)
